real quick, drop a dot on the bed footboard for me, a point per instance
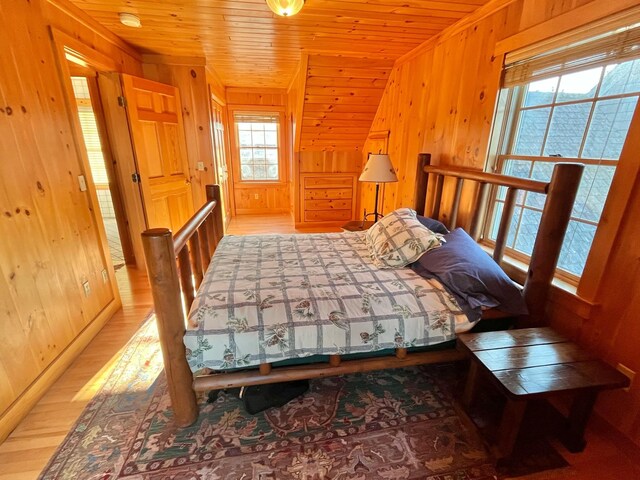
(175, 265)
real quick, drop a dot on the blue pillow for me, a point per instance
(471, 275)
(434, 225)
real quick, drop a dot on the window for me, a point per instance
(556, 113)
(258, 139)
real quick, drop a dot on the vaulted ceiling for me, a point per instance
(249, 46)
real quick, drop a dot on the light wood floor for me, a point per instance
(29, 447)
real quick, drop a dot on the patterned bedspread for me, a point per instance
(274, 297)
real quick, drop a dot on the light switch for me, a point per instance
(87, 288)
(105, 276)
(83, 183)
(201, 166)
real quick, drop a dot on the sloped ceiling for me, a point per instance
(249, 46)
(340, 101)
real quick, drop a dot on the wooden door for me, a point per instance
(222, 169)
(157, 132)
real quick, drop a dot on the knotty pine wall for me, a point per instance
(441, 99)
(258, 197)
(50, 241)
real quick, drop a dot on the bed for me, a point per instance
(239, 324)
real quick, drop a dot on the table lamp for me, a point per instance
(378, 169)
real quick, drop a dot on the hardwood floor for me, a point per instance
(281, 223)
(29, 447)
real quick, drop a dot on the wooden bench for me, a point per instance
(536, 363)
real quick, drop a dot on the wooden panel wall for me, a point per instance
(50, 241)
(341, 97)
(268, 197)
(441, 100)
(189, 75)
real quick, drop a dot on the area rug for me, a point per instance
(395, 424)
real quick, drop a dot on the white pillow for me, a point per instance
(399, 239)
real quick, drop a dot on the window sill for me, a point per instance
(562, 292)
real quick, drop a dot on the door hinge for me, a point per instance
(122, 101)
(135, 177)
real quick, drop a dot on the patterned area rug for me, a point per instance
(396, 424)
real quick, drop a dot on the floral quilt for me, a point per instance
(269, 298)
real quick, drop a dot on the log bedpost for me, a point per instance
(422, 180)
(165, 287)
(561, 194)
(213, 194)
(505, 224)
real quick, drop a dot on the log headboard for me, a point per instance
(560, 193)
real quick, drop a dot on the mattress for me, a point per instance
(269, 298)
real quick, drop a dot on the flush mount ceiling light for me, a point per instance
(285, 8)
(130, 20)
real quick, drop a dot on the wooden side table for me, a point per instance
(536, 363)
(357, 226)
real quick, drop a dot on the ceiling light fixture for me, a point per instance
(130, 20)
(285, 8)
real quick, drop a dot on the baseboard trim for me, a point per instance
(22, 405)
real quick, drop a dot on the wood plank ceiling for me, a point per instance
(249, 46)
(341, 99)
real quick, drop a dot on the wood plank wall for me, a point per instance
(268, 197)
(189, 75)
(441, 100)
(50, 241)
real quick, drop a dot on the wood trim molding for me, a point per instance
(594, 14)
(84, 19)
(299, 106)
(60, 48)
(464, 23)
(174, 60)
(615, 212)
(83, 53)
(27, 400)
(257, 90)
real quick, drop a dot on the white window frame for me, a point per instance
(510, 106)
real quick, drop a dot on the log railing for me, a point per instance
(560, 193)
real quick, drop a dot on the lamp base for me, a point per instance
(375, 210)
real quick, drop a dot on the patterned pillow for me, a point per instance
(399, 239)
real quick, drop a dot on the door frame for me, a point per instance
(115, 189)
(69, 49)
(230, 200)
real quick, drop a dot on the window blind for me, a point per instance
(616, 46)
(256, 117)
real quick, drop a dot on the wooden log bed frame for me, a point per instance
(176, 265)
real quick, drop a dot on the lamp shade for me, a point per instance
(378, 169)
(285, 8)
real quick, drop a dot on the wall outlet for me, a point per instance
(201, 166)
(87, 288)
(627, 372)
(256, 196)
(105, 276)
